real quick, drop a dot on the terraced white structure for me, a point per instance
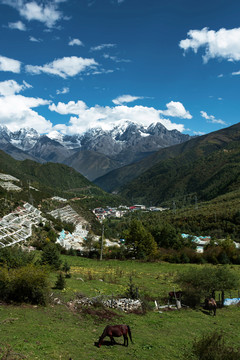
(7, 185)
(68, 214)
(6, 182)
(17, 226)
(7, 177)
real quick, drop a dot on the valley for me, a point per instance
(119, 180)
(132, 247)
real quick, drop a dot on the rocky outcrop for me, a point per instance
(124, 304)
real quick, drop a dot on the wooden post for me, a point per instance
(101, 252)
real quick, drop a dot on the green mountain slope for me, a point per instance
(207, 166)
(192, 150)
(52, 179)
(51, 175)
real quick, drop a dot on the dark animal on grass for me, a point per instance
(116, 331)
(211, 305)
(175, 295)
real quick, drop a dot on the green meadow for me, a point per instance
(58, 332)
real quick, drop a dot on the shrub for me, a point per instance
(14, 257)
(60, 283)
(66, 268)
(26, 284)
(213, 347)
(132, 290)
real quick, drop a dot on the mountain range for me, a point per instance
(204, 167)
(94, 153)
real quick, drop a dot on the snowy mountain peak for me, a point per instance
(129, 137)
(23, 139)
(55, 135)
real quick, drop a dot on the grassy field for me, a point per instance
(56, 332)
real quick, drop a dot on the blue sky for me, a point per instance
(68, 65)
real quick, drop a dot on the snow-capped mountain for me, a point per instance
(119, 146)
(23, 139)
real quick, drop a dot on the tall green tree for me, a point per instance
(139, 240)
(167, 236)
(51, 256)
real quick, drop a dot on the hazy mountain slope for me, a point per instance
(16, 153)
(47, 149)
(91, 163)
(208, 166)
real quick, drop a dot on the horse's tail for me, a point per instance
(129, 332)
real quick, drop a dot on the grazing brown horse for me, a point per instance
(177, 294)
(211, 305)
(117, 331)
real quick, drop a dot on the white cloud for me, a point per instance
(75, 42)
(45, 12)
(176, 109)
(126, 99)
(65, 90)
(7, 64)
(16, 112)
(70, 108)
(223, 43)
(115, 58)
(199, 133)
(212, 118)
(236, 73)
(33, 39)
(11, 87)
(100, 72)
(19, 25)
(107, 117)
(102, 46)
(65, 67)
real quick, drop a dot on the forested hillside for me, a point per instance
(40, 181)
(207, 166)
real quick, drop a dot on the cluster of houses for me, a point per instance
(200, 241)
(118, 212)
